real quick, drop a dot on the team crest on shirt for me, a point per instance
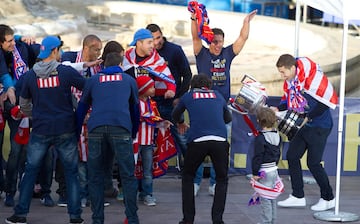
(204, 95)
(50, 82)
(110, 78)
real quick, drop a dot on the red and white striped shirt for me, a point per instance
(149, 115)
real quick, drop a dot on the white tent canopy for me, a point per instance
(346, 10)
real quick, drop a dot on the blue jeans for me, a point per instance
(16, 161)
(146, 152)
(66, 147)
(200, 172)
(119, 140)
(83, 180)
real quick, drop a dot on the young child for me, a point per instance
(264, 169)
(149, 120)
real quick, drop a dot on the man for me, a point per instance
(113, 97)
(46, 97)
(207, 135)
(143, 59)
(307, 90)
(86, 62)
(215, 61)
(17, 55)
(179, 66)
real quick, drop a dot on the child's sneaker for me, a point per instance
(149, 200)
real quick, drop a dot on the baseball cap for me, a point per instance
(144, 83)
(141, 34)
(48, 44)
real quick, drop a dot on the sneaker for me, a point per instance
(9, 200)
(120, 196)
(62, 202)
(14, 219)
(323, 205)
(76, 221)
(106, 203)
(47, 201)
(149, 200)
(292, 201)
(196, 189)
(212, 190)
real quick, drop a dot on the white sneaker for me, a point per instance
(212, 190)
(149, 200)
(323, 205)
(196, 189)
(292, 201)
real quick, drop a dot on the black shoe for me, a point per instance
(14, 219)
(76, 221)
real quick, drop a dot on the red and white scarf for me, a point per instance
(313, 81)
(155, 63)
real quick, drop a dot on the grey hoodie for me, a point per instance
(44, 69)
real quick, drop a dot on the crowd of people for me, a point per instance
(89, 112)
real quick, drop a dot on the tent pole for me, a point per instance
(297, 28)
(330, 215)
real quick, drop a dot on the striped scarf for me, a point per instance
(312, 80)
(19, 65)
(204, 31)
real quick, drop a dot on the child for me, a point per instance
(149, 120)
(264, 169)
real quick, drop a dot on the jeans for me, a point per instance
(66, 147)
(83, 180)
(60, 178)
(200, 172)
(16, 160)
(146, 152)
(46, 173)
(312, 139)
(268, 206)
(195, 155)
(119, 140)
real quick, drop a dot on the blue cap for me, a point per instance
(48, 44)
(141, 34)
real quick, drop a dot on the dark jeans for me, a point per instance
(195, 155)
(66, 147)
(312, 139)
(119, 141)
